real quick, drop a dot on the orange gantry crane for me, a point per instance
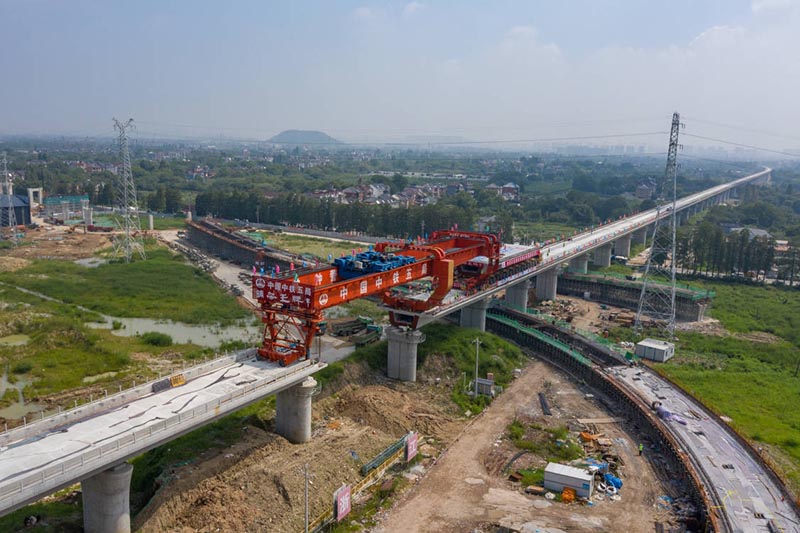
(292, 302)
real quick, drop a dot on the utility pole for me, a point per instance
(8, 217)
(305, 469)
(657, 299)
(127, 216)
(477, 343)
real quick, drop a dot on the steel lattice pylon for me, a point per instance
(657, 299)
(129, 237)
(8, 217)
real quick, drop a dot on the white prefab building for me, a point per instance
(558, 476)
(655, 350)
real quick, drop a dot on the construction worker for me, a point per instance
(641, 447)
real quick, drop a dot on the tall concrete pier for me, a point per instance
(402, 353)
(517, 296)
(474, 315)
(293, 411)
(106, 500)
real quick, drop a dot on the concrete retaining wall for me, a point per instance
(626, 294)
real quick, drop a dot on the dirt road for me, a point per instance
(460, 493)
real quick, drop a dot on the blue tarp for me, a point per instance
(613, 480)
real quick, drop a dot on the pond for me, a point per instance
(206, 336)
(18, 409)
(14, 340)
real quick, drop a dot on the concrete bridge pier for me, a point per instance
(602, 256)
(517, 295)
(106, 500)
(474, 316)
(402, 356)
(579, 265)
(622, 246)
(639, 236)
(293, 411)
(547, 284)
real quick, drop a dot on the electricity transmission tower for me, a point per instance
(8, 218)
(129, 239)
(657, 299)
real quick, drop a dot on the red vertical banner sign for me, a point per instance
(341, 502)
(411, 445)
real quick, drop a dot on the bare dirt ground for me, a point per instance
(713, 327)
(464, 491)
(257, 485)
(56, 242)
(586, 314)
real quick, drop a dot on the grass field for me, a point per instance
(162, 287)
(163, 223)
(63, 352)
(301, 244)
(745, 308)
(541, 231)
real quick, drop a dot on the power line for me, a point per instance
(449, 131)
(741, 145)
(433, 143)
(740, 128)
(515, 141)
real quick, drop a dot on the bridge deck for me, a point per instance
(558, 253)
(58, 456)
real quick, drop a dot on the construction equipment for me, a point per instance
(292, 301)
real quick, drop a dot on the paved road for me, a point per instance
(741, 484)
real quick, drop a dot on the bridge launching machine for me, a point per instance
(292, 303)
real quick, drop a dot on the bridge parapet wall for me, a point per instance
(115, 400)
(24, 489)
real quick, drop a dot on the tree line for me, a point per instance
(705, 249)
(301, 210)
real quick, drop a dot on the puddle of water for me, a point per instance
(206, 336)
(91, 262)
(20, 408)
(14, 340)
(98, 377)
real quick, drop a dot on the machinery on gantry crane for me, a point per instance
(292, 302)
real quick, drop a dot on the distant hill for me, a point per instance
(303, 137)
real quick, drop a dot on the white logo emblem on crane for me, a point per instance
(323, 299)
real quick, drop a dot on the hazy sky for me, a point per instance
(384, 69)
